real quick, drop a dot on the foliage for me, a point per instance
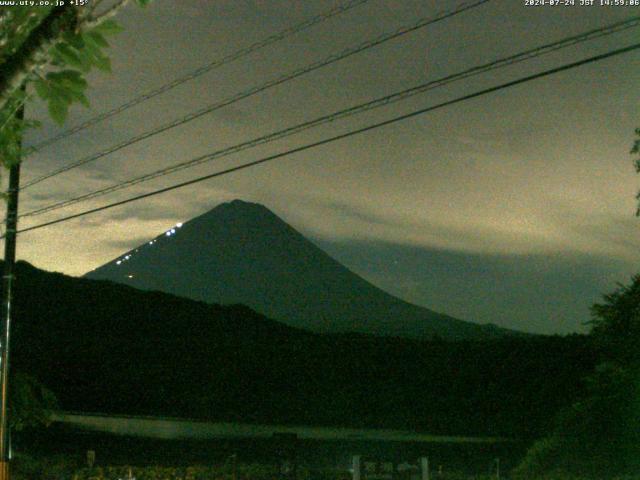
(635, 150)
(28, 467)
(616, 324)
(30, 402)
(62, 467)
(73, 56)
(599, 436)
(48, 50)
(236, 365)
(12, 129)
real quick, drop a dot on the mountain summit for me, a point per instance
(241, 252)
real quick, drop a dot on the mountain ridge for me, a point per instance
(105, 347)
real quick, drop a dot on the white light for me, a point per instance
(173, 230)
(168, 234)
(127, 257)
(150, 243)
(130, 276)
(118, 262)
(178, 225)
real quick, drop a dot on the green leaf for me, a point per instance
(60, 93)
(86, 58)
(108, 27)
(71, 94)
(69, 80)
(92, 54)
(102, 63)
(42, 88)
(74, 39)
(58, 110)
(143, 3)
(98, 39)
(65, 75)
(83, 100)
(68, 55)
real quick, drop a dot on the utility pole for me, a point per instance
(7, 298)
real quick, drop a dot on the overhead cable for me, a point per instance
(423, 22)
(337, 10)
(360, 108)
(339, 137)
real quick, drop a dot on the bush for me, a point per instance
(59, 467)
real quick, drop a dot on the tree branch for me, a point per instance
(32, 53)
(112, 11)
(92, 7)
(11, 115)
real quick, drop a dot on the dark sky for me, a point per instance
(516, 207)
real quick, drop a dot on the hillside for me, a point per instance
(110, 348)
(243, 253)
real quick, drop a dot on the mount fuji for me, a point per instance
(242, 253)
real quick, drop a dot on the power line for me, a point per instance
(376, 103)
(337, 10)
(423, 22)
(340, 137)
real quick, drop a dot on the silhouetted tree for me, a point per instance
(599, 435)
(50, 48)
(635, 150)
(31, 402)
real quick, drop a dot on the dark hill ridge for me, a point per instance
(105, 347)
(241, 252)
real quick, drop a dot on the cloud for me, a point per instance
(125, 245)
(535, 293)
(538, 170)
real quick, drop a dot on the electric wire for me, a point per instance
(360, 108)
(423, 22)
(283, 34)
(340, 136)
